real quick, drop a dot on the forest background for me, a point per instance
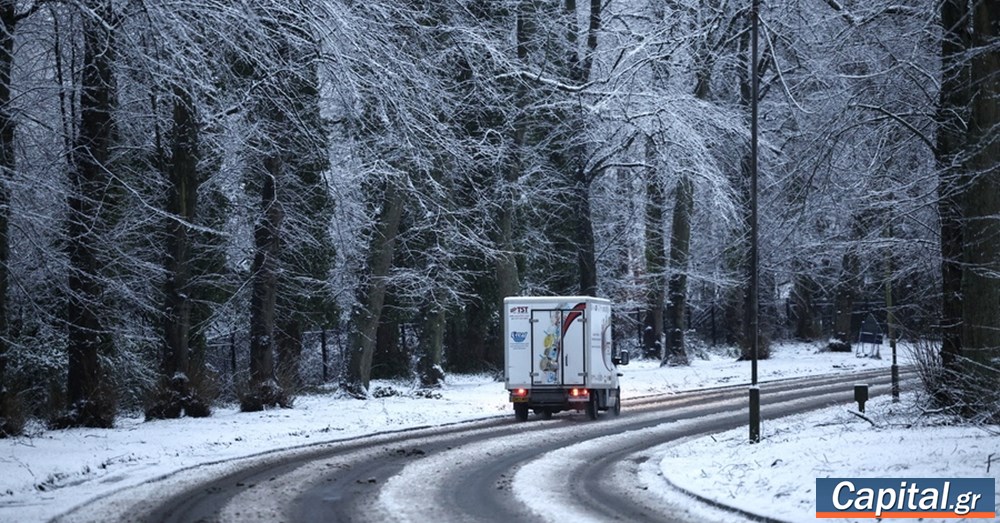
(239, 199)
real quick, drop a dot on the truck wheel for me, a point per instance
(618, 402)
(592, 405)
(521, 411)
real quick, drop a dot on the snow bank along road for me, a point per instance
(566, 468)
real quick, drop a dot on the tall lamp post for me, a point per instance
(754, 255)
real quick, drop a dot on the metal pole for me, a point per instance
(889, 320)
(754, 255)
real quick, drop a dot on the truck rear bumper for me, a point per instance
(556, 399)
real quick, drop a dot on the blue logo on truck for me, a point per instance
(518, 337)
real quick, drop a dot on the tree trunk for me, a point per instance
(263, 390)
(431, 347)
(585, 247)
(175, 395)
(680, 248)
(680, 240)
(91, 401)
(9, 426)
(371, 295)
(466, 330)
(846, 292)
(392, 359)
(508, 278)
(981, 212)
(803, 291)
(288, 346)
(656, 257)
(579, 72)
(953, 106)
(182, 204)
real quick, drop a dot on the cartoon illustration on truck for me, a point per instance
(549, 361)
(559, 356)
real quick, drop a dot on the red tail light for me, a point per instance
(578, 392)
(520, 393)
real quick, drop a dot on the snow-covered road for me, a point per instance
(497, 470)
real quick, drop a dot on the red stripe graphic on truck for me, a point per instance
(574, 314)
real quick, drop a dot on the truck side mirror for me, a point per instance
(621, 359)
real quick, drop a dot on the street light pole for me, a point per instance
(754, 254)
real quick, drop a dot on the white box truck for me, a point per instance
(558, 355)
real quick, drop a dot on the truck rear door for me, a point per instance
(558, 340)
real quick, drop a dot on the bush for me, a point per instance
(838, 345)
(957, 391)
(181, 396)
(264, 395)
(12, 418)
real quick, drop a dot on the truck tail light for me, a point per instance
(519, 393)
(576, 393)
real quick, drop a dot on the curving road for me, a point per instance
(566, 468)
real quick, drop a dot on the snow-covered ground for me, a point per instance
(48, 472)
(829, 443)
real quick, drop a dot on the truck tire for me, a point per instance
(617, 411)
(592, 405)
(521, 411)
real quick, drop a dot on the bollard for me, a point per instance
(861, 396)
(754, 415)
(895, 383)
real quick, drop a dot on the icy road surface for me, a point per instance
(566, 468)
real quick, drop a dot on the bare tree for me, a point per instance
(11, 417)
(182, 203)
(970, 202)
(90, 395)
(288, 148)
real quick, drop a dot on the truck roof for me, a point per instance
(546, 299)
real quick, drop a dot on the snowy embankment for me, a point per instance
(776, 477)
(48, 472)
